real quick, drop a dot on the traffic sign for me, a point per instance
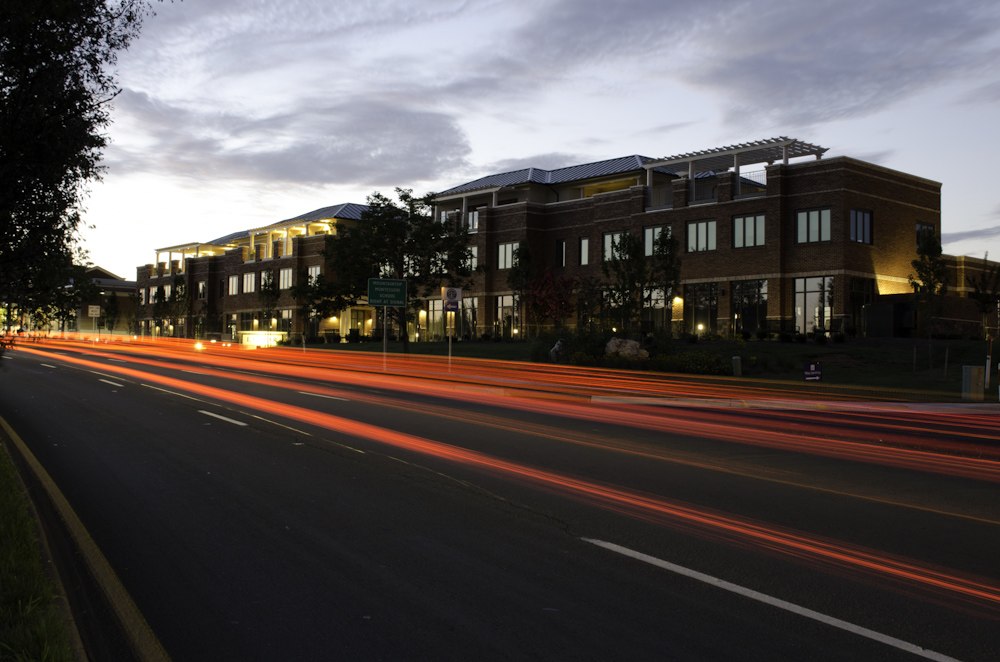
(387, 292)
(452, 296)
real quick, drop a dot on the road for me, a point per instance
(313, 506)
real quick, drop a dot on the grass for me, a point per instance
(32, 625)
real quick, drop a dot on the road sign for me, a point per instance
(452, 296)
(387, 292)
(93, 311)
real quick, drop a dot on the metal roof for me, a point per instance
(773, 150)
(348, 210)
(719, 159)
(606, 168)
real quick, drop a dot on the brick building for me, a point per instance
(772, 237)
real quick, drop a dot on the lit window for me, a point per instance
(584, 251)
(202, 290)
(250, 282)
(285, 278)
(473, 257)
(650, 236)
(313, 273)
(234, 285)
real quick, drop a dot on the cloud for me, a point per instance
(321, 141)
(979, 234)
(770, 61)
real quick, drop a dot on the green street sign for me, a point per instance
(387, 292)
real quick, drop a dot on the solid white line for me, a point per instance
(47, 365)
(222, 418)
(108, 381)
(280, 425)
(319, 395)
(774, 602)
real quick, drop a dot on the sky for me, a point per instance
(235, 114)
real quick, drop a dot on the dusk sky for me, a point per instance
(240, 113)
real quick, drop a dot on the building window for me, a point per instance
(650, 236)
(284, 278)
(202, 290)
(473, 221)
(813, 304)
(861, 226)
(312, 273)
(142, 296)
(167, 289)
(507, 323)
(584, 251)
(813, 225)
(285, 322)
(923, 230)
(749, 306)
(250, 282)
(701, 307)
(473, 261)
(505, 254)
(748, 231)
(234, 285)
(611, 242)
(701, 236)
(561, 252)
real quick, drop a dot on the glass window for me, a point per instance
(285, 278)
(701, 307)
(505, 254)
(861, 226)
(813, 225)
(250, 282)
(561, 252)
(748, 231)
(313, 273)
(649, 237)
(473, 262)
(749, 306)
(701, 236)
(584, 251)
(507, 322)
(234, 285)
(611, 241)
(473, 221)
(813, 304)
(202, 290)
(923, 229)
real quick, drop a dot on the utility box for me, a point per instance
(973, 380)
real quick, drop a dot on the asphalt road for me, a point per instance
(258, 510)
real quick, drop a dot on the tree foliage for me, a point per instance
(544, 295)
(57, 78)
(632, 277)
(394, 239)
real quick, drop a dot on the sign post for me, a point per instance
(386, 292)
(93, 312)
(452, 297)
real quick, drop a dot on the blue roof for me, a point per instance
(606, 168)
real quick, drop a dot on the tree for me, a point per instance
(932, 276)
(986, 291)
(56, 81)
(542, 294)
(634, 280)
(268, 295)
(395, 239)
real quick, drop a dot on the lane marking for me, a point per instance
(773, 601)
(178, 394)
(222, 418)
(141, 637)
(118, 360)
(108, 381)
(280, 425)
(320, 395)
(47, 365)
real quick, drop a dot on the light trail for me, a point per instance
(643, 506)
(762, 428)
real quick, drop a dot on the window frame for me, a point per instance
(816, 229)
(704, 229)
(752, 226)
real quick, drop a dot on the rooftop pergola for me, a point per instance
(721, 159)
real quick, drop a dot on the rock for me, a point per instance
(626, 349)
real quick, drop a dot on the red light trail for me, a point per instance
(635, 504)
